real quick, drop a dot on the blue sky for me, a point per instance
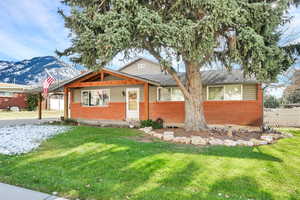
(30, 28)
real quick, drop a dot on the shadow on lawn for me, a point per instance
(239, 152)
(86, 169)
(242, 187)
(234, 189)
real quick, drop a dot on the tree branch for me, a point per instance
(169, 69)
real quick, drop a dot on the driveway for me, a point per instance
(12, 122)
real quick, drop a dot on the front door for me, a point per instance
(132, 103)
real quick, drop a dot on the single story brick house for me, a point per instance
(140, 90)
(12, 95)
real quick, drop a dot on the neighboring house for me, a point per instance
(54, 101)
(12, 95)
(293, 87)
(230, 98)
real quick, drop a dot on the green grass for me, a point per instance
(105, 163)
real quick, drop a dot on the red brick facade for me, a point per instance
(18, 100)
(216, 112)
(114, 111)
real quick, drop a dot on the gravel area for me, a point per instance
(20, 139)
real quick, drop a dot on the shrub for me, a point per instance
(32, 101)
(150, 123)
(70, 121)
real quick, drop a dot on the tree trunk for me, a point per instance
(194, 113)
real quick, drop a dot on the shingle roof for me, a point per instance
(212, 77)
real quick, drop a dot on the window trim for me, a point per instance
(224, 89)
(81, 97)
(157, 94)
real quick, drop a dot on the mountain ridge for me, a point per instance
(33, 71)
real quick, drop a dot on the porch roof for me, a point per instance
(58, 86)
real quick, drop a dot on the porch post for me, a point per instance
(40, 99)
(66, 103)
(260, 100)
(146, 100)
(102, 76)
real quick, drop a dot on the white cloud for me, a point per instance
(292, 29)
(15, 49)
(31, 25)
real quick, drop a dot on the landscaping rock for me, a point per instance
(168, 137)
(244, 143)
(183, 140)
(287, 135)
(230, 143)
(152, 133)
(267, 138)
(188, 140)
(158, 135)
(215, 141)
(257, 142)
(197, 140)
(276, 136)
(131, 126)
(146, 129)
(25, 138)
(229, 131)
(169, 133)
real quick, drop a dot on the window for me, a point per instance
(225, 92)
(169, 94)
(141, 66)
(216, 93)
(6, 94)
(95, 97)
(233, 92)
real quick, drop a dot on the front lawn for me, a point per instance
(108, 163)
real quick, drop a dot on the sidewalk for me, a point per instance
(9, 192)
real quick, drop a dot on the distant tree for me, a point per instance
(199, 32)
(294, 97)
(271, 102)
(32, 102)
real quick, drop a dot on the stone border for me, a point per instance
(198, 140)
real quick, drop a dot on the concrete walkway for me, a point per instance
(9, 192)
(10, 122)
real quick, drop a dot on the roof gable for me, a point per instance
(141, 66)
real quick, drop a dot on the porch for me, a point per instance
(107, 96)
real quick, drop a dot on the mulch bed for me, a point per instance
(216, 133)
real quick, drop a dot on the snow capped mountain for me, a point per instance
(33, 71)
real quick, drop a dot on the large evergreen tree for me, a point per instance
(200, 32)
